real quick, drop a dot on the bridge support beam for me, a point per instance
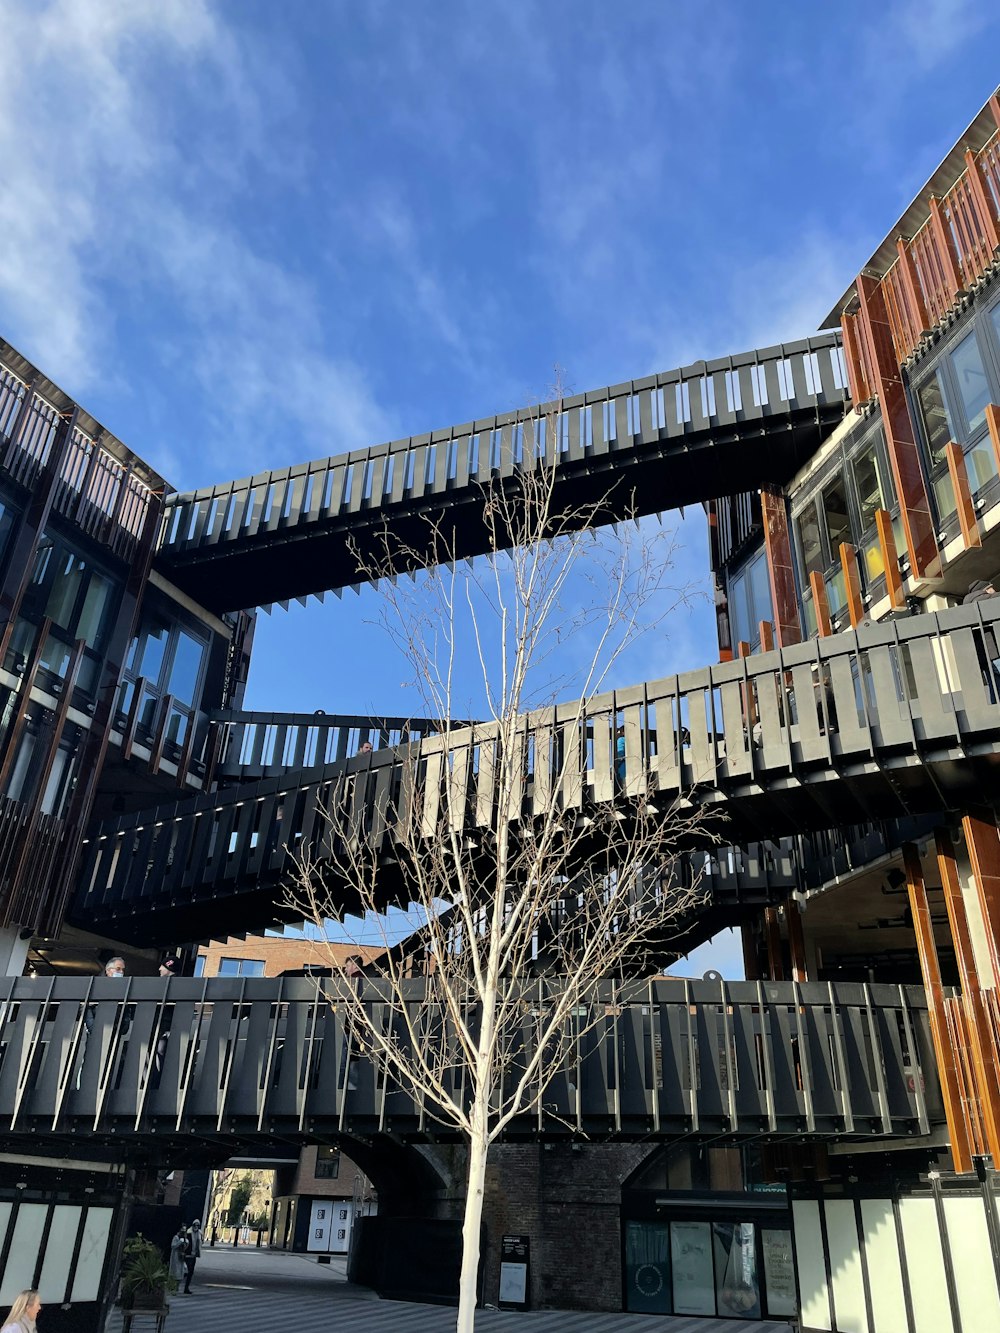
(955, 1107)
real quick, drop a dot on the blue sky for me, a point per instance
(244, 234)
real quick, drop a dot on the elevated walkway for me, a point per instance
(640, 447)
(187, 1070)
(891, 721)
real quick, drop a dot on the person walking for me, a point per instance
(193, 1253)
(178, 1251)
(23, 1313)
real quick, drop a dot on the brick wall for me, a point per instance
(567, 1199)
(280, 954)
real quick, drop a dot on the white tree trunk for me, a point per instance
(472, 1221)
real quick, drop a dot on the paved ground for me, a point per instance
(250, 1290)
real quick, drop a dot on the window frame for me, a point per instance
(984, 329)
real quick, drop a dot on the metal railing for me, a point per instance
(245, 1059)
(608, 429)
(857, 726)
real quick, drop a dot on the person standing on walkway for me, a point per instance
(23, 1313)
(178, 1250)
(193, 1253)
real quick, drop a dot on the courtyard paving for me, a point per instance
(239, 1291)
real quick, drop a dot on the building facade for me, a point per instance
(827, 1136)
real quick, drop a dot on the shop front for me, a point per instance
(693, 1248)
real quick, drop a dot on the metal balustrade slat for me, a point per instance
(598, 431)
(811, 738)
(803, 1029)
(575, 442)
(262, 832)
(380, 804)
(542, 786)
(776, 403)
(634, 1090)
(191, 870)
(359, 805)
(785, 1101)
(829, 393)
(646, 432)
(161, 859)
(418, 453)
(484, 740)
(667, 700)
(724, 414)
(570, 731)
(750, 409)
(245, 1095)
(774, 751)
(981, 713)
(459, 759)
(934, 718)
(751, 1102)
(601, 774)
(893, 724)
(516, 769)
(237, 847)
(355, 501)
(67, 1040)
(623, 434)
(702, 743)
(852, 734)
(636, 777)
(432, 777)
(134, 1058)
(803, 397)
(736, 761)
(880, 1053)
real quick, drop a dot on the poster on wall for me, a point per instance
(329, 1226)
(693, 1272)
(647, 1267)
(736, 1269)
(779, 1272)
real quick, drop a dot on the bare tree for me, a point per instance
(498, 838)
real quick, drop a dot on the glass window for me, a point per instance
(65, 590)
(95, 604)
(186, 666)
(750, 601)
(810, 541)
(327, 1163)
(868, 484)
(937, 424)
(199, 965)
(838, 524)
(760, 591)
(153, 649)
(241, 967)
(973, 386)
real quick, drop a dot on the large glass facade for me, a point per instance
(165, 662)
(78, 598)
(951, 401)
(750, 601)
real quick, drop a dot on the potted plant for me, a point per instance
(145, 1277)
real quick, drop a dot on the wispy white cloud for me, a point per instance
(103, 194)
